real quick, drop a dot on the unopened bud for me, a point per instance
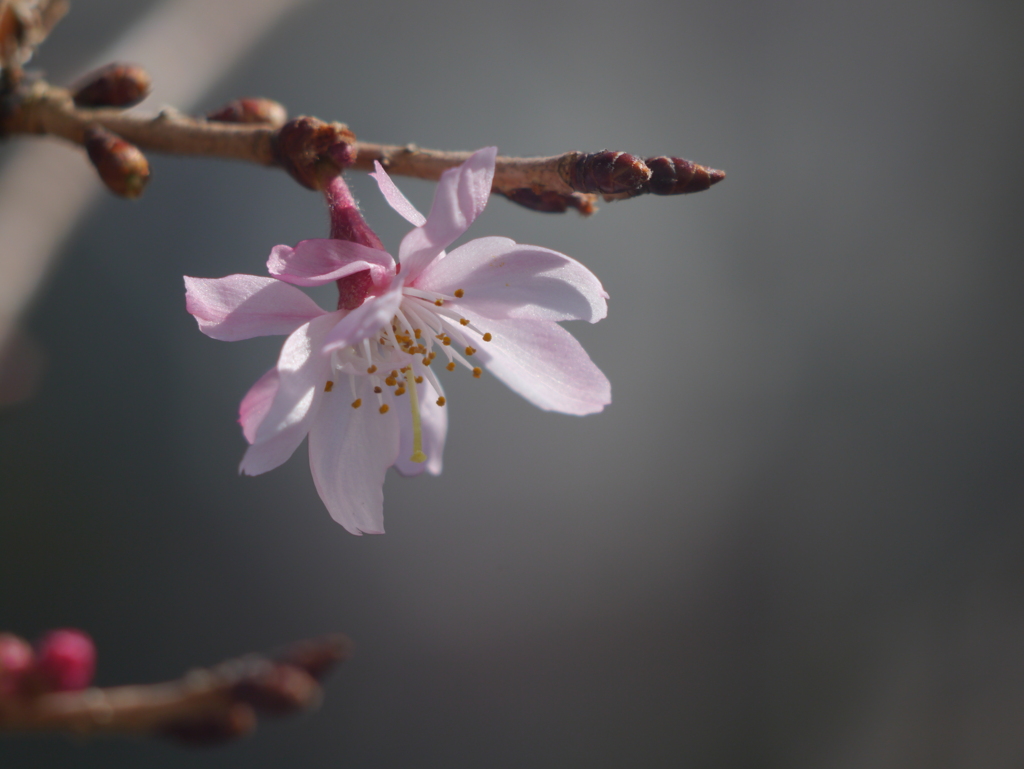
(65, 660)
(115, 85)
(610, 173)
(121, 165)
(16, 658)
(676, 176)
(549, 202)
(313, 151)
(265, 111)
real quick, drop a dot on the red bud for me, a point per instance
(65, 660)
(115, 85)
(121, 165)
(265, 111)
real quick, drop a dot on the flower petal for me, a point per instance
(244, 306)
(434, 423)
(256, 403)
(319, 261)
(503, 279)
(366, 320)
(459, 198)
(350, 450)
(542, 362)
(302, 373)
(395, 198)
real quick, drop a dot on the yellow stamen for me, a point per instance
(417, 332)
(451, 366)
(440, 401)
(400, 390)
(371, 370)
(439, 302)
(384, 408)
(470, 350)
(477, 371)
(419, 380)
(357, 403)
(488, 337)
(377, 390)
(329, 386)
(459, 293)
(417, 427)
(464, 321)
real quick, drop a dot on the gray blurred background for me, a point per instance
(795, 538)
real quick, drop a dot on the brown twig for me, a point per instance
(554, 183)
(205, 706)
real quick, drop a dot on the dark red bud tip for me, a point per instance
(676, 176)
(237, 721)
(263, 111)
(313, 151)
(65, 660)
(552, 202)
(115, 85)
(279, 689)
(121, 166)
(16, 660)
(607, 172)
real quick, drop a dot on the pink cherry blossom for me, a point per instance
(361, 381)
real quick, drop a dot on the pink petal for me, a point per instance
(350, 450)
(322, 260)
(503, 279)
(542, 362)
(256, 403)
(302, 375)
(366, 320)
(434, 423)
(245, 306)
(460, 197)
(395, 198)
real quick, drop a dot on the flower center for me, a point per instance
(399, 355)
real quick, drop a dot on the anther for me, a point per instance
(328, 386)
(419, 380)
(377, 390)
(384, 408)
(417, 332)
(470, 350)
(459, 293)
(446, 341)
(488, 337)
(441, 401)
(464, 321)
(427, 361)
(439, 302)
(400, 390)
(451, 366)
(371, 370)
(357, 403)
(477, 371)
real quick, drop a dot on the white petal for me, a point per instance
(504, 279)
(350, 450)
(244, 306)
(542, 362)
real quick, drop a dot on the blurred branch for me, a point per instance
(207, 705)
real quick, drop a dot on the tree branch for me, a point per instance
(205, 706)
(553, 183)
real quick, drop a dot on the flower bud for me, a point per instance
(549, 202)
(65, 660)
(121, 165)
(676, 176)
(313, 151)
(115, 85)
(265, 111)
(610, 173)
(16, 657)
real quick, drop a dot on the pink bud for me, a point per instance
(15, 661)
(66, 660)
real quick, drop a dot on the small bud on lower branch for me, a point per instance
(121, 166)
(313, 151)
(606, 172)
(115, 85)
(250, 111)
